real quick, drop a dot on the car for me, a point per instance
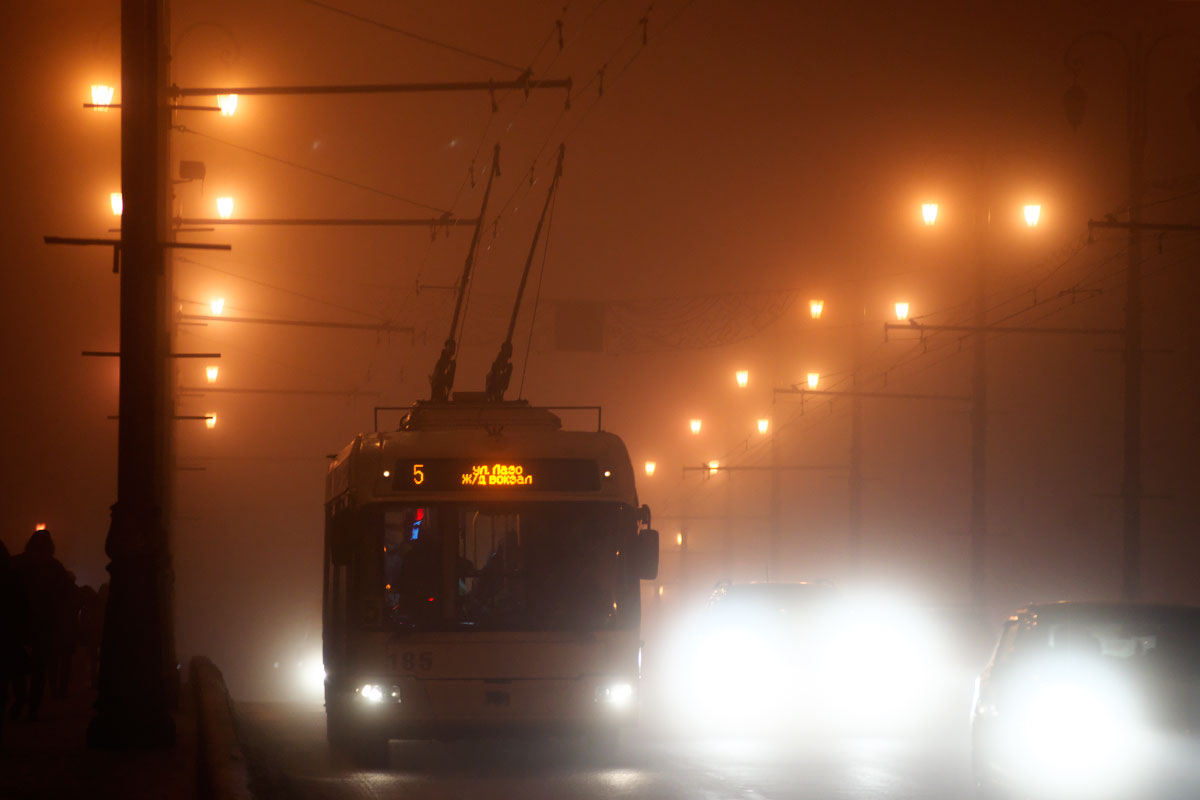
(1090, 699)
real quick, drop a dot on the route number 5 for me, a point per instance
(418, 476)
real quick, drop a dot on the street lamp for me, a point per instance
(225, 207)
(102, 96)
(679, 538)
(227, 103)
(650, 467)
(929, 212)
(815, 307)
(813, 378)
(210, 372)
(116, 200)
(713, 466)
(210, 421)
(742, 377)
(41, 526)
(694, 425)
(901, 311)
(217, 305)
(763, 424)
(1032, 214)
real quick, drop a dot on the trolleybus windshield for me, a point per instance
(500, 566)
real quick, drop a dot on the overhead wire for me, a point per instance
(311, 170)
(412, 35)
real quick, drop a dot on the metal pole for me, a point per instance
(132, 706)
(1131, 483)
(855, 479)
(979, 392)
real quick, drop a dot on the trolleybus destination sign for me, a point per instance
(450, 474)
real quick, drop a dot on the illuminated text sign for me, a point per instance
(534, 474)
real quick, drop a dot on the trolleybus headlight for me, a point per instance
(374, 693)
(615, 695)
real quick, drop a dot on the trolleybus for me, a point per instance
(482, 575)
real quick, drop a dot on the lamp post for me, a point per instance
(982, 219)
(1138, 54)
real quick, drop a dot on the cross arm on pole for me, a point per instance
(1155, 227)
(923, 327)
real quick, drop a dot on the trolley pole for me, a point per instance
(132, 707)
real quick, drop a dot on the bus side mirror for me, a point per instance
(645, 555)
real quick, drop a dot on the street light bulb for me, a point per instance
(815, 307)
(929, 213)
(102, 96)
(694, 425)
(763, 425)
(813, 378)
(1032, 214)
(713, 466)
(225, 207)
(660, 591)
(743, 378)
(650, 467)
(679, 538)
(211, 373)
(210, 421)
(117, 201)
(217, 305)
(902, 311)
(227, 103)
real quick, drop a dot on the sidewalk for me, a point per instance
(49, 758)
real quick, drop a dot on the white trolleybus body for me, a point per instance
(482, 574)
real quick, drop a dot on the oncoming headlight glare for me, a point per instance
(617, 695)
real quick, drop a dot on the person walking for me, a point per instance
(10, 633)
(42, 583)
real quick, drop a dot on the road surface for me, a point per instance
(285, 744)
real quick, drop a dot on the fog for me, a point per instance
(744, 159)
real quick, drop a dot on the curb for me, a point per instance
(220, 765)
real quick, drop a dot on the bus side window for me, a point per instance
(343, 526)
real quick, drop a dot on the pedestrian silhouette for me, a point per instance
(42, 584)
(9, 631)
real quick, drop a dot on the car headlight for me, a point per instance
(374, 694)
(618, 694)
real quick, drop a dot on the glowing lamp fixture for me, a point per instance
(679, 538)
(813, 379)
(694, 425)
(743, 378)
(210, 421)
(815, 307)
(217, 304)
(41, 526)
(102, 96)
(650, 467)
(1032, 214)
(210, 372)
(117, 201)
(902, 311)
(763, 425)
(929, 213)
(225, 207)
(713, 466)
(227, 103)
